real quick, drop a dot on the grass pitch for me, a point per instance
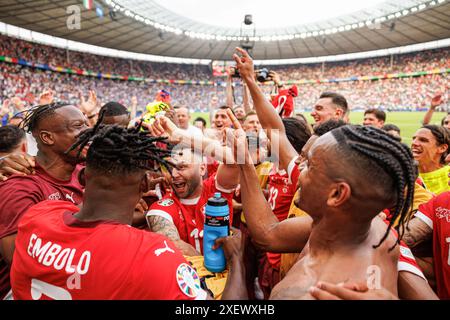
(408, 122)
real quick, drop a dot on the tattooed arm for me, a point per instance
(417, 232)
(165, 227)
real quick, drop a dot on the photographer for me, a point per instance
(283, 101)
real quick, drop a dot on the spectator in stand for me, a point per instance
(374, 117)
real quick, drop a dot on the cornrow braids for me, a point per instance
(369, 144)
(35, 114)
(117, 150)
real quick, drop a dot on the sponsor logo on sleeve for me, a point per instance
(166, 202)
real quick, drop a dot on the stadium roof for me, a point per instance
(145, 26)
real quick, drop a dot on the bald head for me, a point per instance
(183, 117)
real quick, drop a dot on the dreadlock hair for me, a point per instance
(120, 151)
(442, 136)
(372, 149)
(38, 113)
(297, 132)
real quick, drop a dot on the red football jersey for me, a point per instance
(281, 193)
(60, 257)
(436, 214)
(293, 171)
(188, 215)
(284, 101)
(19, 193)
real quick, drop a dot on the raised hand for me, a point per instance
(46, 97)
(244, 63)
(239, 142)
(89, 107)
(437, 100)
(5, 107)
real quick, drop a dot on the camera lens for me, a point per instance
(262, 75)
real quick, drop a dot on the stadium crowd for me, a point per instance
(328, 210)
(391, 94)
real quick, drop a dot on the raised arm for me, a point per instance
(290, 235)
(267, 114)
(266, 231)
(246, 99)
(133, 111)
(435, 102)
(229, 90)
(228, 172)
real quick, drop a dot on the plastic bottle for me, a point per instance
(217, 224)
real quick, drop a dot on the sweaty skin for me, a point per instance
(340, 247)
(349, 263)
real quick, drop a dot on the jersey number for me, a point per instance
(196, 235)
(273, 194)
(38, 288)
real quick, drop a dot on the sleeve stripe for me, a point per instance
(220, 188)
(404, 266)
(424, 218)
(201, 295)
(290, 168)
(160, 213)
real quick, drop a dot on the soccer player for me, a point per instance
(430, 146)
(180, 214)
(393, 130)
(328, 194)
(432, 221)
(250, 122)
(67, 252)
(55, 127)
(331, 105)
(183, 117)
(12, 139)
(374, 117)
(115, 113)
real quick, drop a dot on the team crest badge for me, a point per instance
(165, 202)
(188, 280)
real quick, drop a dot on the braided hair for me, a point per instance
(373, 149)
(38, 113)
(117, 150)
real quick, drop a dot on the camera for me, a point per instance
(262, 75)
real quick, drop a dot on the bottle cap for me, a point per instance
(217, 200)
